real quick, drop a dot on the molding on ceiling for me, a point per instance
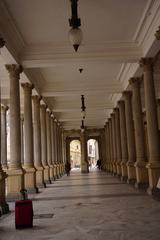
(115, 52)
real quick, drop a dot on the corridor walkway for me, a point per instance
(88, 207)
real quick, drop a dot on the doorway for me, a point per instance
(93, 152)
(75, 155)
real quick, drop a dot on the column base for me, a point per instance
(141, 175)
(124, 170)
(119, 171)
(154, 175)
(40, 177)
(4, 208)
(114, 168)
(30, 180)
(124, 178)
(46, 175)
(51, 172)
(15, 182)
(55, 172)
(131, 172)
(141, 186)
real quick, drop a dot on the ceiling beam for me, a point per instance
(44, 56)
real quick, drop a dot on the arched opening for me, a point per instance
(93, 152)
(75, 155)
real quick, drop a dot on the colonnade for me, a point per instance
(35, 142)
(125, 137)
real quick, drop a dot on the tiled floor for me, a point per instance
(88, 207)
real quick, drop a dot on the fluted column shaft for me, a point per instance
(130, 137)
(44, 143)
(37, 141)
(141, 171)
(4, 136)
(15, 180)
(118, 141)
(30, 171)
(123, 135)
(15, 133)
(114, 143)
(111, 145)
(49, 147)
(28, 127)
(152, 124)
(22, 140)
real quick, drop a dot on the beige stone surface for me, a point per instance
(89, 207)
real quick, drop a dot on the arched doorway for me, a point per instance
(75, 155)
(93, 152)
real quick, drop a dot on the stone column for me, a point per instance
(60, 149)
(37, 142)
(55, 149)
(123, 135)
(140, 165)
(53, 145)
(22, 140)
(152, 124)
(158, 112)
(111, 145)
(4, 208)
(118, 141)
(84, 160)
(30, 171)
(44, 143)
(114, 144)
(130, 137)
(106, 147)
(4, 137)
(15, 180)
(49, 148)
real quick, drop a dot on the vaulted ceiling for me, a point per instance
(116, 34)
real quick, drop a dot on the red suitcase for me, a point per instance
(23, 214)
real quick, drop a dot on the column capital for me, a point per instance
(120, 102)
(107, 123)
(146, 64)
(43, 106)
(36, 98)
(49, 111)
(4, 108)
(2, 42)
(116, 109)
(127, 94)
(14, 70)
(157, 34)
(135, 81)
(27, 86)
